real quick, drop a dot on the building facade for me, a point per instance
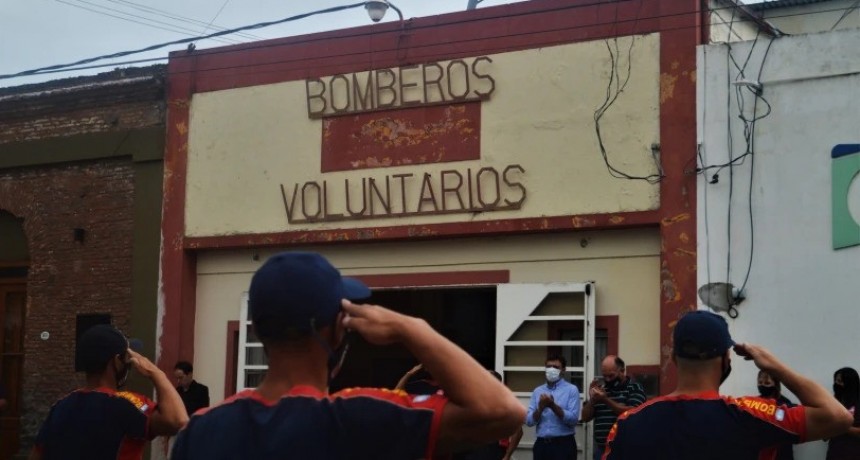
(779, 206)
(80, 212)
(514, 174)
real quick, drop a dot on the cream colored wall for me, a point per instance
(624, 264)
(244, 143)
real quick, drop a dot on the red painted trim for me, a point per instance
(412, 136)
(610, 323)
(678, 189)
(653, 369)
(415, 232)
(232, 368)
(473, 33)
(178, 267)
(523, 25)
(398, 280)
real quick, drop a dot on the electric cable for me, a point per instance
(251, 46)
(179, 18)
(164, 25)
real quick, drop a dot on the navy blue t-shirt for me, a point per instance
(305, 424)
(99, 424)
(706, 426)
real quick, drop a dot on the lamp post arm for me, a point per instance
(399, 13)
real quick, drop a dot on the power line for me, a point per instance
(180, 42)
(173, 28)
(224, 5)
(176, 17)
(442, 54)
(369, 33)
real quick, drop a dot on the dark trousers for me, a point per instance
(560, 448)
(598, 451)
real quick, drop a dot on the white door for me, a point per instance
(533, 320)
(252, 362)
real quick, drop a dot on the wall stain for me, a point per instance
(667, 87)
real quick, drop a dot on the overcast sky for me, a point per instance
(39, 33)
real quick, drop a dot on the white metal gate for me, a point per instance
(530, 320)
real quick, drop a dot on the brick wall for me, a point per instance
(67, 277)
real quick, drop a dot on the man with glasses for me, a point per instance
(554, 408)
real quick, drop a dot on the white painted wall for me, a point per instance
(816, 17)
(803, 297)
(728, 23)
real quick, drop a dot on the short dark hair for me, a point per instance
(619, 363)
(184, 366)
(558, 358)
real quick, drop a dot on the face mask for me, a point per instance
(727, 370)
(767, 392)
(838, 391)
(552, 374)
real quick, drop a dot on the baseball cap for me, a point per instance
(98, 345)
(295, 291)
(701, 334)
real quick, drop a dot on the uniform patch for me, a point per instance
(420, 398)
(139, 403)
(780, 415)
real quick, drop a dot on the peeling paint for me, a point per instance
(669, 286)
(675, 219)
(685, 252)
(667, 87)
(583, 222)
(405, 136)
(615, 220)
(182, 128)
(684, 237)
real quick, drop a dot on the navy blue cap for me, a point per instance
(701, 334)
(298, 291)
(97, 346)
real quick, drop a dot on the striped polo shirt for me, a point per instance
(630, 394)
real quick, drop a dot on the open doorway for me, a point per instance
(14, 261)
(465, 315)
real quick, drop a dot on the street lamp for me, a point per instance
(376, 9)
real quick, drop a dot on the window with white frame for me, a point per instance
(252, 363)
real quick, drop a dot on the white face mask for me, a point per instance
(552, 374)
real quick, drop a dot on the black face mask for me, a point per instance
(727, 370)
(767, 392)
(838, 391)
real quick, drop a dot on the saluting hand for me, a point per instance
(142, 365)
(378, 325)
(762, 358)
